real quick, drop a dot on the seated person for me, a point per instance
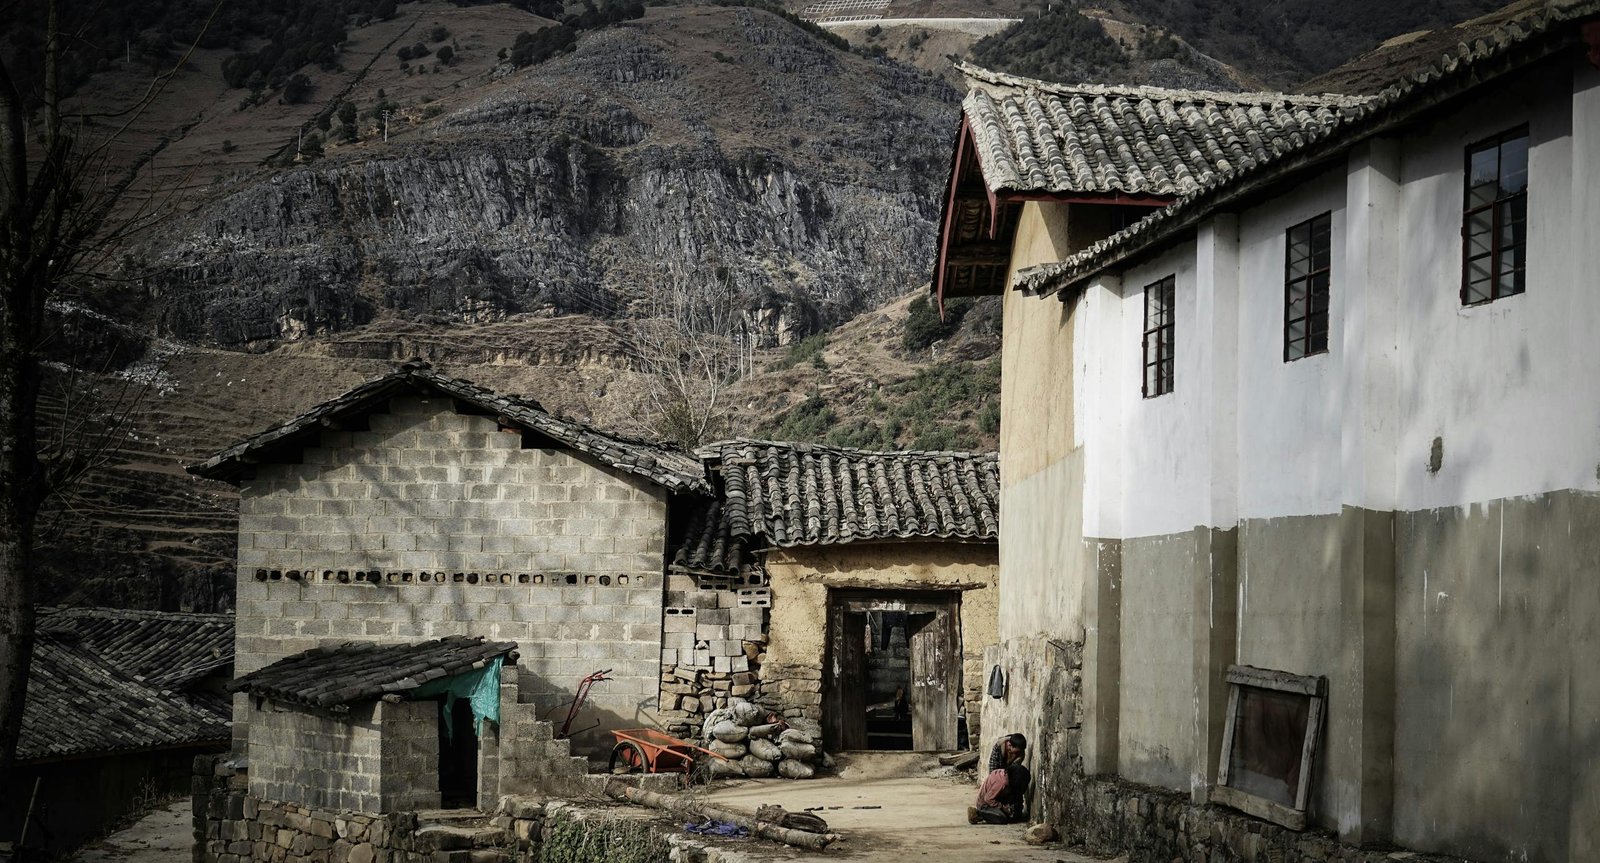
(1002, 798)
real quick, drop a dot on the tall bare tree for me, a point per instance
(691, 348)
(61, 211)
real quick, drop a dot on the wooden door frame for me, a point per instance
(858, 600)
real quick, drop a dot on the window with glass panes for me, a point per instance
(1494, 230)
(1158, 331)
(1308, 252)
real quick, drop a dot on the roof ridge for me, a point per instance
(100, 611)
(996, 78)
(713, 450)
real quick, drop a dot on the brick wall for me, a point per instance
(380, 758)
(466, 532)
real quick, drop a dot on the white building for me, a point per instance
(1303, 384)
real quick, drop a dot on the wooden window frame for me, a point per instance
(1311, 341)
(1316, 689)
(1158, 338)
(1496, 208)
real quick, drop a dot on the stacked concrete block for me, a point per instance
(434, 523)
(711, 649)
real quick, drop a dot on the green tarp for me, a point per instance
(481, 688)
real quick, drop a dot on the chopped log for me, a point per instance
(959, 760)
(682, 805)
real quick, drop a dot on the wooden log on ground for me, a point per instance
(679, 804)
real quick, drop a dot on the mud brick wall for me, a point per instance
(433, 523)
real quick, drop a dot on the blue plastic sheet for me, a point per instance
(481, 688)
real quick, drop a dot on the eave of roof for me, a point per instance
(656, 462)
(835, 495)
(1514, 45)
(1095, 140)
(334, 677)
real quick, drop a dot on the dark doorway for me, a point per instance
(892, 678)
(458, 757)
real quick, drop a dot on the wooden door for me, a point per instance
(845, 724)
(935, 680)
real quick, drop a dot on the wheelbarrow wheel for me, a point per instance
(628, 758)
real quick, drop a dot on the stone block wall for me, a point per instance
(434, 523)
(380, 758)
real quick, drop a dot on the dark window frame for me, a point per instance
(1503, 210)
(1314, 285)
(1159, 352)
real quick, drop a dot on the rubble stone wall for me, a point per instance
(434, 523)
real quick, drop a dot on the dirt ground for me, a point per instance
(896, 806)
(164, 836)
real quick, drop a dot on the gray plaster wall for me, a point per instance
(1498, 723)
(1156, 712)
(473, 535)
(1289, 619)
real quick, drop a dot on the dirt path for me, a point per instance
(898, 810)
(164, 836)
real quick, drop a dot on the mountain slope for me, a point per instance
(697, 144)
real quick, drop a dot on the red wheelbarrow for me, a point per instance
(646, 750)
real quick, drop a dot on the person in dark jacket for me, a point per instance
(1002, 798)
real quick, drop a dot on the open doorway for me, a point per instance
(892, 679)
(458, 757)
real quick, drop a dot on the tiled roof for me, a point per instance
(164, 648)
(1531, 32)
(788, 494)
(1035, 136)
(78, 705)
(335, 677)
(672, 469)
(709, 544)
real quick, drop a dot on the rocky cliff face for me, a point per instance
(697, 145)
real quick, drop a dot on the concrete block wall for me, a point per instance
(434, 523)
(380, 758)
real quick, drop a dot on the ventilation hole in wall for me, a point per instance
(622, 579)
(458, 577)
(275, 575)
(522, 578)
(293, 575)
(572, 578)
(327, 575)
(472, 578)
(261, 575)
(343, 576)
(588, 579)
(605, 580)
(538, 579)
(643, 580)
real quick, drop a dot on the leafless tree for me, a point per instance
(62, 210)
(692, 346)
